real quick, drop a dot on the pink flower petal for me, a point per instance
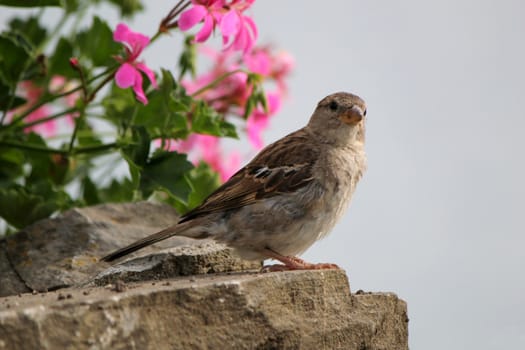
(241, 41)
(138, 42)
(209, 147)
(46, 129)
(187, 145)
(274, 102)
(137, 88)
(244, 38)
(49, 128)
(229, 166)
(135, 41)
(149, 73)
(255, 125)
(230, 23)
(259, 62)
(191, 17)
(126, 76)
(206, 30)
(121, 33)
(259, 120)
(253, 28)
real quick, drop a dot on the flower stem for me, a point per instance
(155, 37)
(80, 120)
(46, 119)
(51, 98)
(167, 22)
(8, 105)
(217, 81)
(82, 82)
(80, 150)
(100, 86)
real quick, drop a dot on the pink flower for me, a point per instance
(59, 84)
(210, 11)
(239, 32)
(207, 148)
(230, 93)
(128, 74)
(33, 93)
(229, 96)
(258, 121)
(211, 153)
(259, 61)
(229, 166)
(282, 65)
(276, 66)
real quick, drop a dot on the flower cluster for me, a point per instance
(40, 120)
(230, 96)
(206, 147)
(59, 118)
(225, 87)
(129, 73)
(239, 31)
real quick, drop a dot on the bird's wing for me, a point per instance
(282, 167)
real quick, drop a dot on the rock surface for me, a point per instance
(282, 310)
(196, 258)
(64, 251)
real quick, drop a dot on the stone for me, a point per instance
(201, 257)
(64, 251)
(10, 282)
(279, 310)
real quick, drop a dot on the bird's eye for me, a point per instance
(333, 106)
(364, 113)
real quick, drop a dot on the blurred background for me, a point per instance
(439, 217)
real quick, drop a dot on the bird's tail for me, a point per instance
(146, 241)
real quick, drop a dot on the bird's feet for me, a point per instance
(293, 263)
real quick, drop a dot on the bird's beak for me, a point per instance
(352, 116)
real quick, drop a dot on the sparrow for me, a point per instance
(289, 196)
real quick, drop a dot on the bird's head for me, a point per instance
(339, 118)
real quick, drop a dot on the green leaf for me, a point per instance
(137, 149)
(70, 6)
(120, 106)
(7, 100)
(59, 60)
(23, 63)
(167, 171)
(257, 96)
(30, 29)
(14, 55)
(117, 191)
(97, 45)
(188, 57)
(165, 113)
(128, 7)
(21, 206)
(11, 165)
(203, 181)
(134, 171)
(40, 161)
(86, 136)
(89, 192)
(207, 121)
(29, 3)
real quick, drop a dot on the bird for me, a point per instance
(288, 196)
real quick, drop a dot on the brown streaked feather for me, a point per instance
(144, 242)
(282, 167)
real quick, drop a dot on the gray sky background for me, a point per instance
(439, 216)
